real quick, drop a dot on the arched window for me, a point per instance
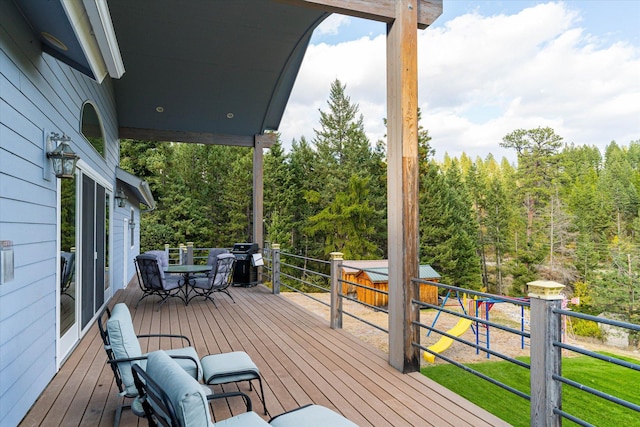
(91, 128)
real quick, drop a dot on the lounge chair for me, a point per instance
(153, 281)
(124, 351)
(218, 280)
(175, 399)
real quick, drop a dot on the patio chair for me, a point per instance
(67, 268)
(123, 351)
(218, 280)
(175, 399)
(153, 281)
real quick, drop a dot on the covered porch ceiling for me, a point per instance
(216, 72)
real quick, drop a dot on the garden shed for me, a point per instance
(374, 274)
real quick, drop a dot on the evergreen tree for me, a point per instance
(341, 143)
(448, 233)
(279, 197)
(346, 224)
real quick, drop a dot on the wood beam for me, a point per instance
(258, 196)
(402, 181)
(267, 140)
(375, 10)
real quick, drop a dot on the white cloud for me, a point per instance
(481, 77)
(332, 24)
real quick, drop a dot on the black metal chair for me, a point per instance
(67, 269)
(173, 398)
(218, 280)
(153, 281)
(124, 351)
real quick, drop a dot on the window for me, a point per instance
(132, 228)
(91, 128)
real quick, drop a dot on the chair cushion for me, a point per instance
(311, 416)
(185, 393)
(163, 260)
(124, 343)
(229, 367)
(186, 364)
(212, 259)
(170, 281)
(248, 419)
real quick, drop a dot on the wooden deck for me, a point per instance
(301, 359)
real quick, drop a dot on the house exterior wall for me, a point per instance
(39, 95)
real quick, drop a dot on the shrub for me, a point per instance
(586, 328)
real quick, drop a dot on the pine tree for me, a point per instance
(346, 224)
(341, 143)
(279, 197)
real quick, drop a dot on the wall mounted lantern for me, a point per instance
(63, 158)
(121, 198)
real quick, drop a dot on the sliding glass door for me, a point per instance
(84, 255)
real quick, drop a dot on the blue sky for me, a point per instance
(487, 68)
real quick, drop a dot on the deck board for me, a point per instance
(301, 360)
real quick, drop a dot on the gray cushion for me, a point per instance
(311, 416)
(233, 366)
(124, 343)
(163, 259)
(187, 364)
(212, 259)
(185, 393)
(163, 262)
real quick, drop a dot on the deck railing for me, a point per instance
(544, 335)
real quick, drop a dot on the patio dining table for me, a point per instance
(187, 271)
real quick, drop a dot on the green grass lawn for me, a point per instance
(621, 382)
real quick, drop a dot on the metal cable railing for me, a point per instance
(471, 312)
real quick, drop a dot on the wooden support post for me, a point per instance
(546, 359)
(258, 199)
(335, 320)
(189, 252)
(402, 180)
(275, 268)
(182, 253)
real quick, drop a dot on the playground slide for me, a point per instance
(445, 342)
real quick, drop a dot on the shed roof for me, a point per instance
(378, 270)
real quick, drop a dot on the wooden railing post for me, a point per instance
(335, 320)
(275, 268)
(189, 252)
(546, 359)
(181, 253)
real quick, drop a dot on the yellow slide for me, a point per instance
(445, 342)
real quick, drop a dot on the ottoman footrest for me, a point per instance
(231, 367)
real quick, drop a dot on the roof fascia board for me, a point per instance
(100, 18)
(138, 186)
(88, 33)
(376, 10)
(267, 139)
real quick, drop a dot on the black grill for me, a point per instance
(244, 273)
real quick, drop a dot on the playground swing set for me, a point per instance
(479, 308)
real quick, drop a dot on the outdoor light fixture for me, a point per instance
(121, 198)
(63, 158)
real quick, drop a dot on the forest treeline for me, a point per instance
(563, 212)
